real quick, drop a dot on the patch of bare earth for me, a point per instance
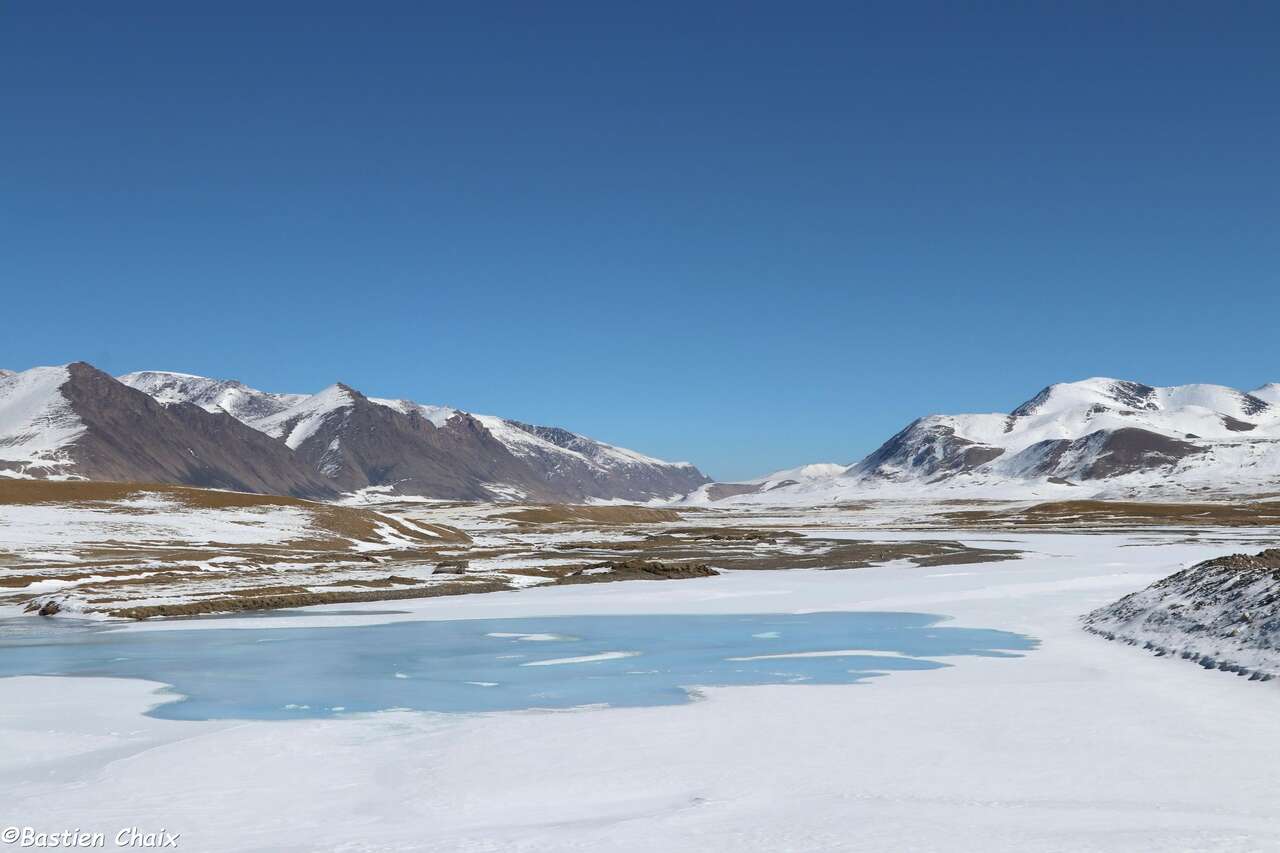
(740, 548)
(1094, 514)
(276, 601)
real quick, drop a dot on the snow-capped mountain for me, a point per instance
(76, 421)
(401, 447)
(803, 475)
(1096, 436)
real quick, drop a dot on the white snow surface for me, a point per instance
(37, 424)
(148, 519)
(1080, 745)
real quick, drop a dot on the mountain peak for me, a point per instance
(348, 390)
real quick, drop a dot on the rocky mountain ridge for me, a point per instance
(75, 421)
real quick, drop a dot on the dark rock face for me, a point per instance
(1237, 425)
(131, 437)
(1126, 450)
(1253, 405)
(1106, 454)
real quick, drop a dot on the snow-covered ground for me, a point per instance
(147, 519)
(1079, 745)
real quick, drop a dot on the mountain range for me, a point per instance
(75, 421)
(1097, 437)
(1103, 437)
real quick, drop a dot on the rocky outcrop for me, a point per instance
(1222, 614)
(637, 569)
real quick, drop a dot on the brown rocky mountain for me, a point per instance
(174, 428)
(399, 447)
(126, 435)
(357, 443)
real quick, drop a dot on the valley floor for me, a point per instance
(1080, 744)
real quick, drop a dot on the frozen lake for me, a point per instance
(476, 665)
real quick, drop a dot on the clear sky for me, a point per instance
(747, 235)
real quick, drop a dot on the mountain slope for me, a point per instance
(400, 447)
(37, 423)
(76, 421)
(359, 443)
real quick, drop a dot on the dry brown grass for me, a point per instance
(1095, 513)
(304, 599)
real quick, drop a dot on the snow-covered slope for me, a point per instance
(1097, 436)
(403, 447)
(37, 423)
(243, 403)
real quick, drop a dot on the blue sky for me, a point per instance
(747, 235)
